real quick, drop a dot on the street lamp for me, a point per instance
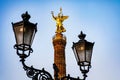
(24, 34)
(83, 53)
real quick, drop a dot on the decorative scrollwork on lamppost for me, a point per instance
(24, 34)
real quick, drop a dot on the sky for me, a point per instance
(98, 19)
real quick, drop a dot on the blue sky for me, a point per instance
(99, 19)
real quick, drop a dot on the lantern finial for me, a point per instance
(82, 35)
(25, 16)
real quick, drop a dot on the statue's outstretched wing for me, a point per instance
(64, 17)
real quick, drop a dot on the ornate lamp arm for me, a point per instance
(31, 72)
(36, 74)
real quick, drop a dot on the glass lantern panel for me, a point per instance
(76, 55)
(19, 34)
(89, 47)
(28, 35)
(33, 35)
(81, 52)
(88, 55)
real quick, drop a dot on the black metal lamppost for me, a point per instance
(83, 53)
(24, 34)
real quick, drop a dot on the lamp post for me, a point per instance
(24, 34)
(83, 53)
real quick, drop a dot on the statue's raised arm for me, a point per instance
(59, 20)
(53, 15)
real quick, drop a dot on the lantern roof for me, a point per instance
(82, 35)
(25, 16)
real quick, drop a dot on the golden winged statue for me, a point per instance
(59, 20)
